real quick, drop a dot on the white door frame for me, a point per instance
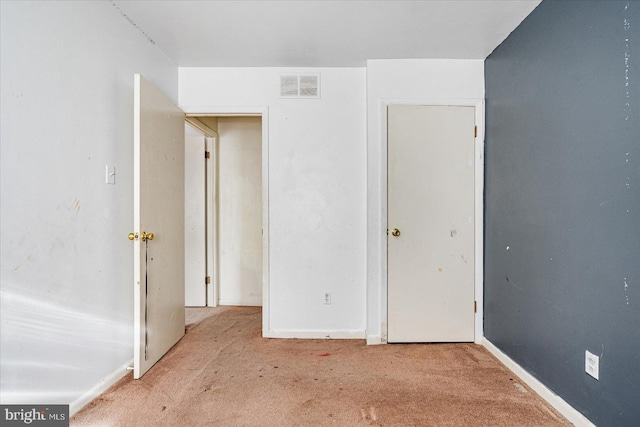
(478, 104)
(261, 111)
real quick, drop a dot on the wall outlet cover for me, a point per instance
(592, 364)
(327, 298)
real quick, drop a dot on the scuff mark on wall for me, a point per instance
(615, 196)
(626, 288)
(627, 87)
(512, 283)
(627, 58)
(602, 353)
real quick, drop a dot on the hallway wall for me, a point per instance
(240, 195)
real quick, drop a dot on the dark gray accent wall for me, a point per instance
(562, 202)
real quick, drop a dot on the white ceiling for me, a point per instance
(323, 33)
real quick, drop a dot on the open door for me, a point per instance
(195, 225)
(158, 219)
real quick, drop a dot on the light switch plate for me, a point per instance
(110, 177)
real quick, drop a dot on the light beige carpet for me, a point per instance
(223, 373)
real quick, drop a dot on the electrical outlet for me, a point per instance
(592, 364)
(327, 298)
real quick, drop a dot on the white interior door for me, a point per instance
(195, 248)
(211, 185)
(158, 209)
(430, 220)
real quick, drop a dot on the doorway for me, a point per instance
(158, 218)
(224, 210)
(431, 236)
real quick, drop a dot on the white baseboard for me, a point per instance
(374, 340)
(553, 399)
(98, 389)
(322, 335)
(244, 303)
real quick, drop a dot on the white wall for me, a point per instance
(317, 191)
(66, 272)
(240, 215)
(413, 80)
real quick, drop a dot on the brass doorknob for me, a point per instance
(395, 232)
(143, 236)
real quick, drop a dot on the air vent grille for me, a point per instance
(300, 86)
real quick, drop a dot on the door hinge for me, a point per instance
(207, 280)
(475, 306)
(207, 154)
(475, 131)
